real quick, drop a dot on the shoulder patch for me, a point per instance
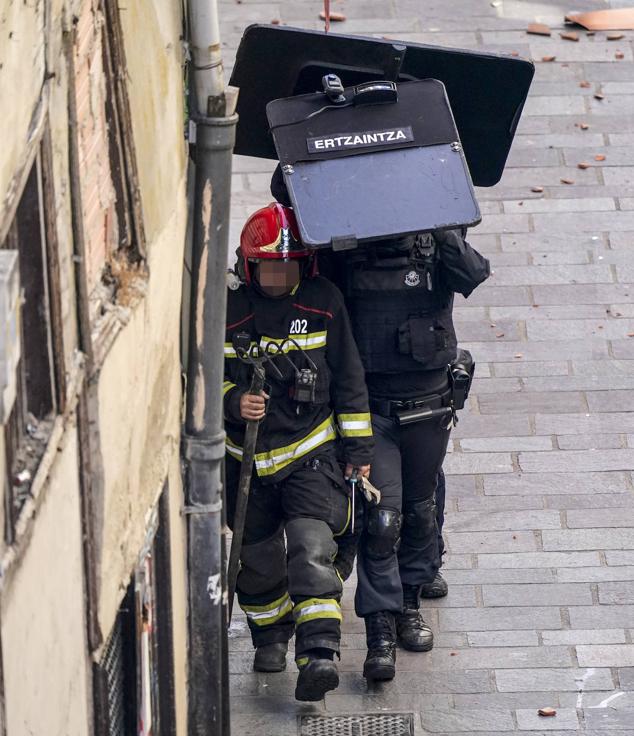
(412, 278)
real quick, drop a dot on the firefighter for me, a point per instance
(315, 393)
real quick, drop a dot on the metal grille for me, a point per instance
(362, 724)
(113, 665)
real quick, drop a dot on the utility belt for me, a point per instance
(408, 411)
(433, 406)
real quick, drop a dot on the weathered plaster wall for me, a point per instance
(44, 651)
(139, 386)
(3, 471)
(153, 31)
(139, 425)
(138, 389)
(22, 58)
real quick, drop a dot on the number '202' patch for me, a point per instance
(298, 327)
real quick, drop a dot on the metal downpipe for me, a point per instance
(203, 441)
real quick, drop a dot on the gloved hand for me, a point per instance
(253, 407)
(363, 471)
(371, 493)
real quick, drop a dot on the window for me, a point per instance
(122, 156)
(39, 373)
(137, 663)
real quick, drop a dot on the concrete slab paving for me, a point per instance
(540, 511)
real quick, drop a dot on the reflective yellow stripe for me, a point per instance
(311, 341)
(355, 425)
(227, 386)
(315, 608)
(360, 417)
(230, 351)
(269, 613)
(269, 463)
(356, 432)
(233, 449)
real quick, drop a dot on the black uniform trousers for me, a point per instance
(293, 586)
(441, 492)
(407, 462)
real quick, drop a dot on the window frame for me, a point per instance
(36, 183)
(124, 172)
(150, 583)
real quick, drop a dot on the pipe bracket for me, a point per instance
(208, 508)
(205, 450)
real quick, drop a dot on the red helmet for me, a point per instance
(271, 232)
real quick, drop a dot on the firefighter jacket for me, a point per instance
(400, 298)
(309, 328)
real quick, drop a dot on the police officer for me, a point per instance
(400, 300)
(399, 295)
(315, 392)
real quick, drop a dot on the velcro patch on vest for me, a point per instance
(366, 139)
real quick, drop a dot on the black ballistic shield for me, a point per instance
(362, 172)
(486, 91)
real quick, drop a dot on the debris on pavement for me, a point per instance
(538, 29)
(547, 712)
(569, 35)
(548, 58)
(334, 16)
(618, 19)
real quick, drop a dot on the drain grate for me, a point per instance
(361, 724)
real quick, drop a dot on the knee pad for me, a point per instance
(263, 565)
(311, 550)
(382, 532)
(419, 520)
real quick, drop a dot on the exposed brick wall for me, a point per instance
(97, 190)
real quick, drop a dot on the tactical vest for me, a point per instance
(401, 314)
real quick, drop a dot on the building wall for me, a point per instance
(140, 416)
(135, 393)
(43, 627)
(22, 55)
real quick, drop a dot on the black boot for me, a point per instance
(380, 631)
(317, 675)
(271, 657)
(438, 588)
(413, 633)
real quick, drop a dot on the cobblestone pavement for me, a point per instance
(540, 522)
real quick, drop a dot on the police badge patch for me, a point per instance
(412, 279)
